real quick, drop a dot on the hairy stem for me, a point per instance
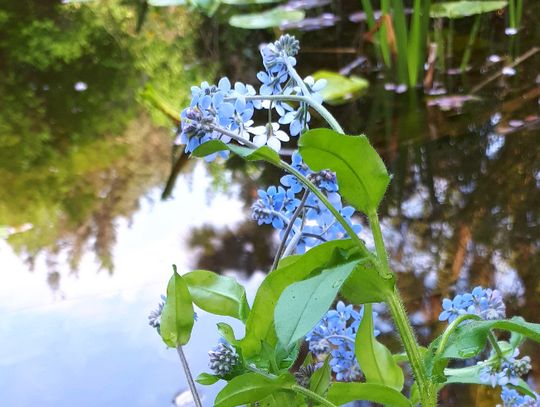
(451, 328)
(189, 377)
(379, 244)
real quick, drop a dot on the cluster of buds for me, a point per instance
(223, 359)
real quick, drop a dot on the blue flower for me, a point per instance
(486, 303)
(267, 209)
(271, 83)
(296, 119)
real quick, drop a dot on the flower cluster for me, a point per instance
(223, 359)
(223, 112)
(507, 370)
(315, 224)
(154, 318)
(512, 398)
(486, 303)
(334, 336)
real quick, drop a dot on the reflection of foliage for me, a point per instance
(72, 76)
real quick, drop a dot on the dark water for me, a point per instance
(84, 159)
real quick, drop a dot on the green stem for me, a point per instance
(427, 390)
(326, 115)
(189, 377)
(470, 43)
(451, 328)
(312, 395)
(379, 243)
(311, 186)
(495, 345)
(331, 208)
(428, 394)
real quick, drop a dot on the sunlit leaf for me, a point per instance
(177, 317)
(220, 295)
(361, 173)
(302, 304)
(340, 89)
(266, 19)
(459, 9)
(207, 379)
(260, 323)
(341, 393)
(374, 358)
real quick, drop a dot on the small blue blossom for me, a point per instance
(334, 336)
(512, 398)
(223, 359)
(486, 303)
(267, 209)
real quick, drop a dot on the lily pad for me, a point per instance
(266, 19)
(166, 3)
(465, 8)
(340, 89)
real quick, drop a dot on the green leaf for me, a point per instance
(249, 388)
(217, 294)
(320, 380)
(471, 375)
(266, 19)
(260, 323)
(207, 379)
(282, 399)
(166, 3)
(374, 358)
(366, 285)
(177, 317)
(470, 338)
(341, 393)
(340, 89)
(226, 332)
(459, 9)
(303, 304)
(263, 153)
(208, 7)
(361, 174)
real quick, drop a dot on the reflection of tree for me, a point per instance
(76, 150)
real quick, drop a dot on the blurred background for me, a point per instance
(96, 204)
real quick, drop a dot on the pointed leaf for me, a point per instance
(342, 393)
(374, 358)
(249, 388)
(366, 285)
(177, 317)
(207, 379)
(260, 323)
(220, 295)
(263, 153)
(320, 380)
(361, 174)
(304, 303)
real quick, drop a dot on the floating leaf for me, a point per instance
(266, 19)
(166, 3)
(342, 393)
(303, 304)
(361, 174)
(220, 295)
(340, 89)
(249, 388)
(177, 317)
(459, 9)
(374, 358)
(260, 323)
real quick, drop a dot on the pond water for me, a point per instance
(87, 242)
